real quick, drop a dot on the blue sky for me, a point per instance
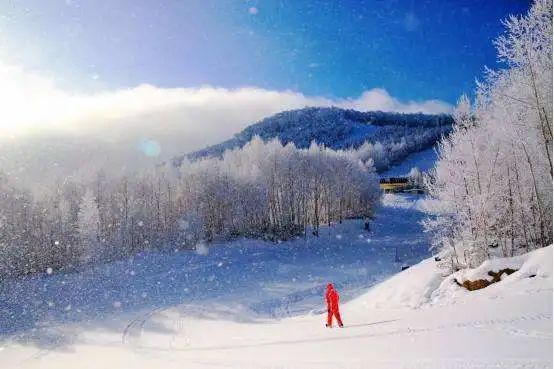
(413, 49)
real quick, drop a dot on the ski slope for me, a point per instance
(249, 304)
(424, 160)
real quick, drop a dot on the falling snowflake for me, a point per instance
(253, 10)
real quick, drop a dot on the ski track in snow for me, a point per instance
(135, 327)
(397, 332)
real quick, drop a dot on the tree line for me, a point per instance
(265, 190)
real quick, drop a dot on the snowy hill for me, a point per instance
(204, 310)
(338, 129)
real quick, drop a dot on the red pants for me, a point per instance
(330, 314)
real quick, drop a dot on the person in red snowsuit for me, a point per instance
(332, 299)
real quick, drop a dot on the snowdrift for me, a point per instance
(426, 284)
(534, 270)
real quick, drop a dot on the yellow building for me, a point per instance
(394, 184)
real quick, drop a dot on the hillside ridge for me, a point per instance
(335, 128)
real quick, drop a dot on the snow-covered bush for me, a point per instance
(493, 178)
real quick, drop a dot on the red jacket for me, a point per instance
(332, 298)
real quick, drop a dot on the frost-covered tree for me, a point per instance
(265, 189)
(493, 180)
(341, 129)
(89, 226)
(273, 190)
(415, 176)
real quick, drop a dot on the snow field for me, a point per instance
(414, 319)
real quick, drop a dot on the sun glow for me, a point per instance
(28, 101)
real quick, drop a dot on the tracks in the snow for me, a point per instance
(132, 332)
(394, 332)
(473, 324)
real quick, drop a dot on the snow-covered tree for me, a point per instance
(416, 177)
(89, 226)
(493, 180)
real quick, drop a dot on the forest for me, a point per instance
(264, 190)
(342, 129)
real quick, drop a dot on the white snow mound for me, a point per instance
(534, 271)
(410, 288)
(426, 284)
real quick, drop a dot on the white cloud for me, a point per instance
(42, 126)
(379, 99)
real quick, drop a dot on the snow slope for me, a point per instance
(268, 314)
(424, 160)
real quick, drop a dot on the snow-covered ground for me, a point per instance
(250, 304)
